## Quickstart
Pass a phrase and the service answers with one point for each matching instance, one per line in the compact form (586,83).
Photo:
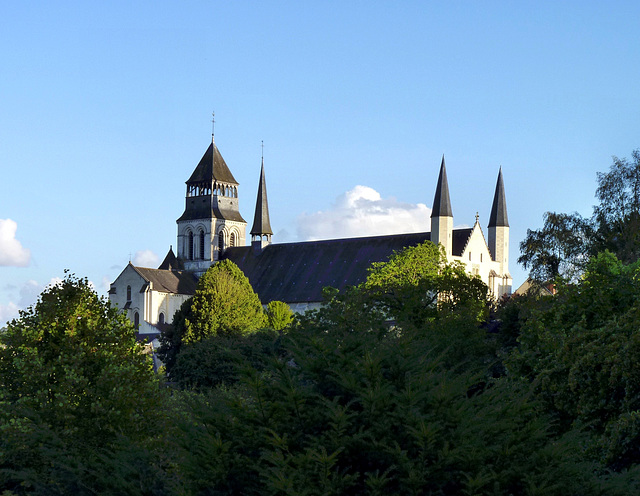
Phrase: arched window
(136,320)
(128,293)
(232,239)
(161,318)
(190,247)
(201,250)
(221,241)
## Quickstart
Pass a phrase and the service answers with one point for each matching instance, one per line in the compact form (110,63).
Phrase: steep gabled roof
(171,262)
(441,201)
(498,215)
(460,240)
(212,167)
(169,281)
(261,224)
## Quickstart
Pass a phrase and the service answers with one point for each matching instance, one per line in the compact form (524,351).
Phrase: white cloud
(12,253)
(8,312)
(146,258)
(361,211)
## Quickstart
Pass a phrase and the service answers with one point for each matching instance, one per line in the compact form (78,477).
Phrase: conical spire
(441,202)
(261,224)
(498,215)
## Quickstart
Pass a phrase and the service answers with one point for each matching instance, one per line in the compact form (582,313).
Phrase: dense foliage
(582,350)
(75,390)
(401,385)
(224,304)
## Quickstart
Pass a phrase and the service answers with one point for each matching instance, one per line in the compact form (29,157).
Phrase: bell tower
(211,221)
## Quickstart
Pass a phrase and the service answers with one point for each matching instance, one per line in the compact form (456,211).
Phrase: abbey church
(211,228)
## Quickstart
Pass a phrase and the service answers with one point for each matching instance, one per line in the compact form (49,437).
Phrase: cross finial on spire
(477,216)
(262,145)
(213,124)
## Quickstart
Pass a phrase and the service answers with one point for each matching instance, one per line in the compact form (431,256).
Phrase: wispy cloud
(362,211)
(12,253)
(146,258)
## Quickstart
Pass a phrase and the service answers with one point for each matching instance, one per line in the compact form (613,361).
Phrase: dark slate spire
(498,215)
(441,202)
(261,224)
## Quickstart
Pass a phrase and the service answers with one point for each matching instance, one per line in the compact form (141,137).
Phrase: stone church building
(211,229)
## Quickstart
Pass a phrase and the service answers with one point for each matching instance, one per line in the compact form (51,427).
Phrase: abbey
(211,229)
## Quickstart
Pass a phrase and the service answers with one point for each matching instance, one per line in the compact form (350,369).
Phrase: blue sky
(106,109)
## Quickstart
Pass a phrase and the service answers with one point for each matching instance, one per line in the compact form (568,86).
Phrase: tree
(418,283)
(279,315)
(617,216)
(582,349)
(566,241)
(224,304)
(75,389)
(356,407)
(560,248)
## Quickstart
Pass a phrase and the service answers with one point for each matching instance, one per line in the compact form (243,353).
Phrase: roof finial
(477,217)
(213,124)
(262,145)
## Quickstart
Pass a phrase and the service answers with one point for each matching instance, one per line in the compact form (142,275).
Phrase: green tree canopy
(617,215)
(582,349)
(73,384)
(224,304)
(279,315)
(418,283)
(566,241)
(559,248)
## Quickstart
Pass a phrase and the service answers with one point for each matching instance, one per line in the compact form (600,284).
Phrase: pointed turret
(441,201)
(498,231)
(261,231)
(442,213)
(498,215)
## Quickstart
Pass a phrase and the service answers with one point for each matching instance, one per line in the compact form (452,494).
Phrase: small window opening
(136,320)
(128,293)
(201,251)
(161,318)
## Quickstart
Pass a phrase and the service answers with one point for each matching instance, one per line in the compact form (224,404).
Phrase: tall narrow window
(190,246)
(128,293)
(136,320)
(221,241)
(201,251)
(161,318)
(232,239)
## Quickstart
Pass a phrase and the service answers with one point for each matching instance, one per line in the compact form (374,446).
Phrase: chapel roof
(169,281)
(297,272)
(212,167)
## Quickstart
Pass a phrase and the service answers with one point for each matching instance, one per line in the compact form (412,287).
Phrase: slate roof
(212,167)
(498,215)
(441,201)
(297,272)
(171,262)
(261,224)
(169,281)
